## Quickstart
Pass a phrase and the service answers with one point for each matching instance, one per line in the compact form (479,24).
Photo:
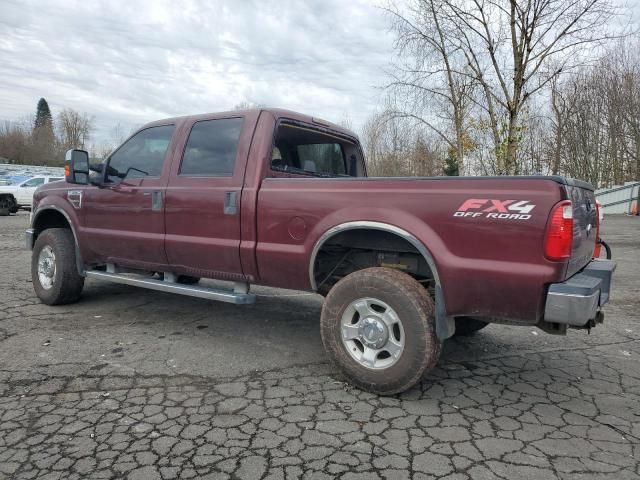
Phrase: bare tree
(394,146)
(561,107)
(510,49)
(117,134)
(15,141)
(594,129)
(345,121)
(74,129)
(245,105)
(429,83)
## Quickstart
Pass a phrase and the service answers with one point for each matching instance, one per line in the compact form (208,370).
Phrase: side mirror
(76,167)
(96,175)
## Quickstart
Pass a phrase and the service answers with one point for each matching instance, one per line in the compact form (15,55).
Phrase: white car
(23,191)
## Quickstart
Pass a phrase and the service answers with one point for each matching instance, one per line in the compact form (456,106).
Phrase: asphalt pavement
(136,384)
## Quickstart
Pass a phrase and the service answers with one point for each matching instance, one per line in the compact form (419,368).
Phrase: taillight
(558,239)
(598,247)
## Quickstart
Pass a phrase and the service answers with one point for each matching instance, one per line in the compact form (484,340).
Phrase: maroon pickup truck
(277,198)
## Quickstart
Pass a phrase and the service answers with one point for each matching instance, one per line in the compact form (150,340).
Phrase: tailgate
(585,223)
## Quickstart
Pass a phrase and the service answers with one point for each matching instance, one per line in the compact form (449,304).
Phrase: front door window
(140,156)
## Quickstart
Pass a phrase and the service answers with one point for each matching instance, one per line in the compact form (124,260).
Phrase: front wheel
(7,204)
(378,326)
(54,275)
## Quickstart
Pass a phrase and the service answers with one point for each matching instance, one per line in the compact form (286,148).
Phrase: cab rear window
(301,150)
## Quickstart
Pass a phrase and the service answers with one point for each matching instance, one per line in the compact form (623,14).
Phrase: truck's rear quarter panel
(487,266)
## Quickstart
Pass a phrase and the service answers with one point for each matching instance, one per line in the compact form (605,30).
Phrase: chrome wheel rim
(46,267)
(372,333)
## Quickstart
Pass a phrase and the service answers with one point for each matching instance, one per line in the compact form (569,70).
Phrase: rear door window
(212,148)
(142,155)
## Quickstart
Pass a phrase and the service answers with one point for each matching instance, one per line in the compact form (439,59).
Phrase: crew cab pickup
(277,198)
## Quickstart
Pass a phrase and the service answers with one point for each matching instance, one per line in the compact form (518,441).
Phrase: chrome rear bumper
(578,300)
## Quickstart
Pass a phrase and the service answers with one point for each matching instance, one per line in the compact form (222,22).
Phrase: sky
(131,62)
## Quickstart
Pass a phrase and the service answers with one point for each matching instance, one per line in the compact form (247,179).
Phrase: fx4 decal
(489,208)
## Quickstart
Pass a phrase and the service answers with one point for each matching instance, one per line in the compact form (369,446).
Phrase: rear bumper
(578,300)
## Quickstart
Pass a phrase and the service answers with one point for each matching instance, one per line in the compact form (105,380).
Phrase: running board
(229,296)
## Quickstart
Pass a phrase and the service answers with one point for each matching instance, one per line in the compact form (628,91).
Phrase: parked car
(282,199)
(9,179)
(20,195)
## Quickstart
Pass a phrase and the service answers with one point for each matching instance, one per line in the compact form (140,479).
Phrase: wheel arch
(445,326)
(52,216)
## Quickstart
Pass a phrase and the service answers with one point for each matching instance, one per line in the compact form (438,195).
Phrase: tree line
(44,139)
(494,87)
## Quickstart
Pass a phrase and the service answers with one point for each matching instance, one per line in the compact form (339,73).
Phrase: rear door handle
(230,203)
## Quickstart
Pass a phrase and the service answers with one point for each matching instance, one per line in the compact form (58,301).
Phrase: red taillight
(559,237)
(598,247)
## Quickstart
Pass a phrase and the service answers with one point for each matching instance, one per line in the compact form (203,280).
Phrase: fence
(620,198)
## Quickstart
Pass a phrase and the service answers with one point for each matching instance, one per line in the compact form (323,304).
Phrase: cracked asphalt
(135,384)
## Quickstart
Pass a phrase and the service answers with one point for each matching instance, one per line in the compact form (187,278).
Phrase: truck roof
(276,112)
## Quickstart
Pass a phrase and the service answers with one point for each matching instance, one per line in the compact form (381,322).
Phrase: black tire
(183,279)
(413,306)
(67,282)
(324,290)
(6,205)
(466,326)
(187,279)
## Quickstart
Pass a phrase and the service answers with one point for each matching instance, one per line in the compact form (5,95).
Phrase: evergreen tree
(43,115)
(43,141)
(450,167)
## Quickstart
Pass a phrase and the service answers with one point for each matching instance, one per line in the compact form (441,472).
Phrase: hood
(8,188)
(51,185)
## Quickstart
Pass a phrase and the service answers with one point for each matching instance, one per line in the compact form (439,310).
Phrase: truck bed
(477,252)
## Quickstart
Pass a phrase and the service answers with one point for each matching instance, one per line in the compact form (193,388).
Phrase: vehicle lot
(140,384)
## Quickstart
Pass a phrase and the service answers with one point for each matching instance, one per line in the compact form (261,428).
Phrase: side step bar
(238,296)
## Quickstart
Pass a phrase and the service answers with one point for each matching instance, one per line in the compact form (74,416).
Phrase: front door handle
(156,201)
(230,203)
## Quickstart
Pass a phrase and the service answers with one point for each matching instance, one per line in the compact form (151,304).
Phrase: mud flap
(445,326)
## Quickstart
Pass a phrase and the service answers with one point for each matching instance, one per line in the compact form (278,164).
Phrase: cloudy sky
(134,61)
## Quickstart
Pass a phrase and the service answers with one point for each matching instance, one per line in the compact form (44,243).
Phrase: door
(202,208)
(124,218)
(24,193)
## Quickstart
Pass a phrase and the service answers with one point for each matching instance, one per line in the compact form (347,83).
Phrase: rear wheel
(54,275)
(378,326)
(466,326)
